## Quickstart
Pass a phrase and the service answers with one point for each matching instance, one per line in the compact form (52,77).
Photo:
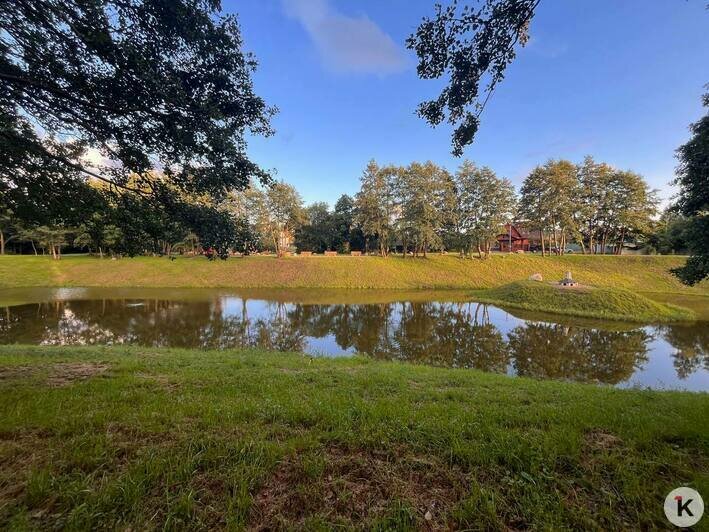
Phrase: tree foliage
(425,201)
(485,203)
(471,48)
(598,205)
(550,197)
(693,200)
(145,82)
(375,204)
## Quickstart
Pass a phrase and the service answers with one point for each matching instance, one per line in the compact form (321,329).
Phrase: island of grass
(143,438)
(583,301)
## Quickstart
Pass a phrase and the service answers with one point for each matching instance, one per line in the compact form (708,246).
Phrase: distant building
(518,238)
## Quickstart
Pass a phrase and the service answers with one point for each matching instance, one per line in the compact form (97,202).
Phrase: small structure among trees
(517,237)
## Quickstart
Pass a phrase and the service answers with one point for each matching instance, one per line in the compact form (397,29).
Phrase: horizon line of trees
(410,209)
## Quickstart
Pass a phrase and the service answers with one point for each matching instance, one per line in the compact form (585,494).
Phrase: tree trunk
(541,237)
(621,241)
(2,243)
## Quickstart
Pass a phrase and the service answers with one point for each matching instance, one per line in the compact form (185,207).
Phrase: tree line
(423,207)
(410,209)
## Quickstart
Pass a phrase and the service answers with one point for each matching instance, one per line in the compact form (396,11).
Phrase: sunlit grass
(606,303)
(644,273)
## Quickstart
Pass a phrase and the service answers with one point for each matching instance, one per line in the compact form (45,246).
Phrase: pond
(437,328)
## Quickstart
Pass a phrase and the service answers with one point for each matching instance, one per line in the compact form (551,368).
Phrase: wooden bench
(356,253)
(305,253)
(331,253)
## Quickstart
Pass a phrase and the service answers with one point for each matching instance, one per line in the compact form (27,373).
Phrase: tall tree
(375,204)
(424,198)
(348,234)
(549,198)
(467,45)
(318,233)
(613,206)
(143,82)
(280,214)
(485,203)
(693,200)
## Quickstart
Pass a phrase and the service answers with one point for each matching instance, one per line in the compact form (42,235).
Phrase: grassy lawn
(607,303)
(137,438)
(639,273)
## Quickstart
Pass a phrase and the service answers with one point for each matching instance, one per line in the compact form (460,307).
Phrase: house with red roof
(517,237)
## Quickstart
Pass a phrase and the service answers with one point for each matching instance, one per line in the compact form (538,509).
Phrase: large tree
(375,204)
(693,200)
(425,200)
(281,213)
(550,196)
(468,45)
(318,233)
(485,203)
(614,205)
(145,83)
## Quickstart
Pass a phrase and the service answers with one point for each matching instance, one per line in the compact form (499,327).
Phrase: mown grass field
(136,438)
(638,273)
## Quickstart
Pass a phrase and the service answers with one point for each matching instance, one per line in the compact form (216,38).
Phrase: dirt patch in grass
(600,440)
(16,372)
(60,374)
(67,373)
(351,487)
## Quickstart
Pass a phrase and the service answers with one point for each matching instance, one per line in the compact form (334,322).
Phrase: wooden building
(517,238)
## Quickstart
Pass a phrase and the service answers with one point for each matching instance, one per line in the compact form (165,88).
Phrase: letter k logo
(683,507)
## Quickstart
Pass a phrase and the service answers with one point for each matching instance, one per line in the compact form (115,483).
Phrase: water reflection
(464,335)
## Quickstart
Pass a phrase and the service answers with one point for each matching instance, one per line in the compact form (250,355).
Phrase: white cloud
(347,44)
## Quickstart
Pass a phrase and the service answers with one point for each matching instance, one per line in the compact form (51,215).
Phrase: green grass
(492,276)
(606,303)
(640,273)
(149,439)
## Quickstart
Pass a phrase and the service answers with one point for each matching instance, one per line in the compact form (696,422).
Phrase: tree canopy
(471,48)
(147,83)
(693,199)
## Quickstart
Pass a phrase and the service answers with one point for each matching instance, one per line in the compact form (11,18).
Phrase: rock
(428,516)
(536,277)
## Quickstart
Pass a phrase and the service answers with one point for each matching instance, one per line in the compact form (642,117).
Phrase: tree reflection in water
(691,348)
(459,335)
(583,355)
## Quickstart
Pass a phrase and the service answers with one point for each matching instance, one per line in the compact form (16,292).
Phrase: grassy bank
(605,303)
(147,438)
(639,273)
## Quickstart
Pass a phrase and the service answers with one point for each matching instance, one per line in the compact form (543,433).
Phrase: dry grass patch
(58,375)
(64,374)
(348,487)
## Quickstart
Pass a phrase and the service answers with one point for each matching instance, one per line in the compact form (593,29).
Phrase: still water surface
(440,328)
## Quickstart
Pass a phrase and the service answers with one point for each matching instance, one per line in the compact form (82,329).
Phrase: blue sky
(620,80)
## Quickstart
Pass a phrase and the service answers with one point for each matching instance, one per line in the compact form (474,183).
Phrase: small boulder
(536,277)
